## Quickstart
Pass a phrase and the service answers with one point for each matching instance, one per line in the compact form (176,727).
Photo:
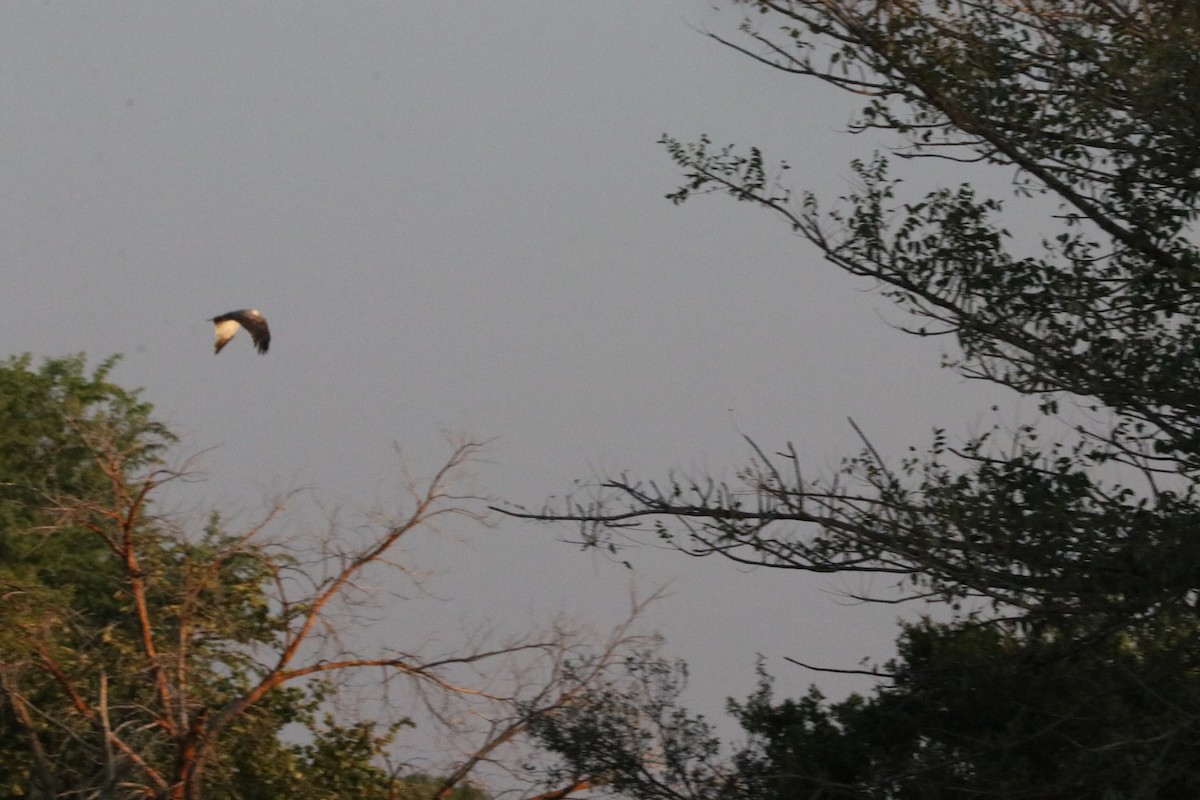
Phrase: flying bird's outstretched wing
(249,318)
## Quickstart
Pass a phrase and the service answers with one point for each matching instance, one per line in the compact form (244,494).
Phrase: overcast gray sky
(452,215)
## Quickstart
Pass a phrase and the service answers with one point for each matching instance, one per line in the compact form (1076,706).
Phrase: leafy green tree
(46,417)
(142,658)
(54,582)
(1068,548)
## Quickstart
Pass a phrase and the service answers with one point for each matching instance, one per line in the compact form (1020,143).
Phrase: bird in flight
(249,318)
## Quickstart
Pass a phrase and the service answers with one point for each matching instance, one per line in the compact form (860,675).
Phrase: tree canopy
(142,655)
(1065,551)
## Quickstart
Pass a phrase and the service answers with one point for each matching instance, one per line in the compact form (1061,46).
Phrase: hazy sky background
(452,215)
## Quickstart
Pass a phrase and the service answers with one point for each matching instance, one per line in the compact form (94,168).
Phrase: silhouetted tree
(1069,546)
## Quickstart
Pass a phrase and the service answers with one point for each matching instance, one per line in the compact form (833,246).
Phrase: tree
(985,711)
(957,718)
(1069,547)
(140,657)
(41,577)
(634,732)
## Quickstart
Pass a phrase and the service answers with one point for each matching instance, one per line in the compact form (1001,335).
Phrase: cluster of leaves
(634,734)
(983,710)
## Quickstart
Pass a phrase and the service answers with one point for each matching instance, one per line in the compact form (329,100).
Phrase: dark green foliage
(975,711)
(58,584)
(47,418)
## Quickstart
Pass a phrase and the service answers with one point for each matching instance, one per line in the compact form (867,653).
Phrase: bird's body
(254,322)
